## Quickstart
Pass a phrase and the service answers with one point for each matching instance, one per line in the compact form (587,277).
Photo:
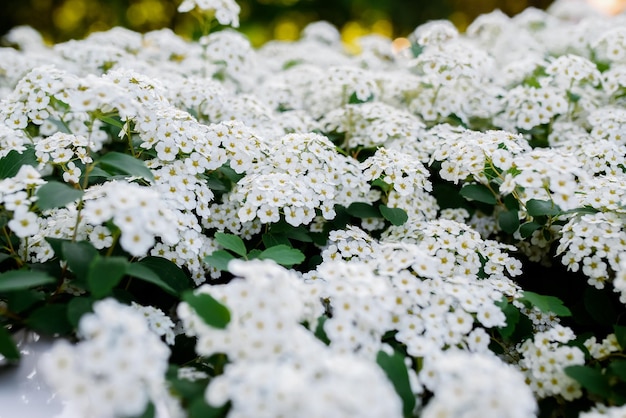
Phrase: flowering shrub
(207,229)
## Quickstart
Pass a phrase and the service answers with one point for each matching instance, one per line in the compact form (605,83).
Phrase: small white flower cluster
(300,375)
(429,311)
(11,140)
(372,124)
(338,86)
(543,360)
(447,66)
(603,411)
(226,11)
(475,385)
(115,370)
(139,213)
(547,175)
(609,123)
(526,107)
(361,306)
(458,249)
(469,153)
(595,244)
(315,383)
(604,348)
(63,150)
(302,173)
(407,176)
(17,196)
(159,323)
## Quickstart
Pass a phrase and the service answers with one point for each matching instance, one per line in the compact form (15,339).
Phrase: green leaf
(620,335)
(57,245)
(283,255)
(143,272)
(320,333)
(104,274)
(116,162)
(77,307)
(12,162)
(395,369)
(363,210)
(211,311)
(200,409)
(380,183)
(97,172)
(254,254)
(591,379)
(599,305)
(511,203)
(231,242)
(536,207)
(219,259)
(23,279)
(478,192)
(8,348)
(355,100)
(168,272)
(528,228)
(79,256)
(508,221)
(618,368)
(546,304)
(114,121)
(230,174)
(150,411)
(299,234)
(21,300)
(271,240)
(55,194)
(50,319)
(512,318)
(396,216)
(448,196)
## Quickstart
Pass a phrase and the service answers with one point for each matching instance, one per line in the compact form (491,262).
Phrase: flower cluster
(308,220)
(471,384)
(115,370)
(543,360)
(264,337)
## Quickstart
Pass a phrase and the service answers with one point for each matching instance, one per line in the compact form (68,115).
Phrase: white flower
(226,11)
(24,223)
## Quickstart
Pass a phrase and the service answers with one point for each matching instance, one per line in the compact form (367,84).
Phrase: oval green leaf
(104,274)
(508,221)
(116,162)
(7,346)
(23,279)
(283,255)
(536,207)
(55,194)
(395,369)
(231,242)
(219,259)
(211,311)
(396,216)
(478,192)
(144,273)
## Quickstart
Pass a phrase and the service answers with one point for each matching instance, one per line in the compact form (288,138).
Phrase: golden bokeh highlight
(261,20)
(610,7)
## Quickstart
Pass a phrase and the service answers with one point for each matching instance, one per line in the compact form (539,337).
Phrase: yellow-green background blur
(261,20)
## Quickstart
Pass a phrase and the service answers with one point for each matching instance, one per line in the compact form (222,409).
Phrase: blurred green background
(261,20)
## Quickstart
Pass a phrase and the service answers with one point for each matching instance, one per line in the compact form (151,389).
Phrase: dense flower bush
(207,229)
